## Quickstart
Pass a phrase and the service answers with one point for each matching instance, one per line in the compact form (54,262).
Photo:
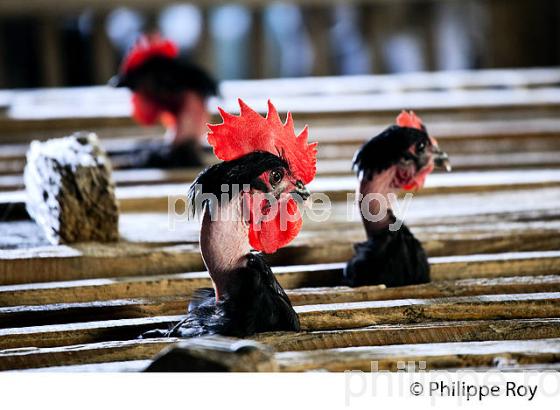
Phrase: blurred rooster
(169,89)
(401,157)
(270,165)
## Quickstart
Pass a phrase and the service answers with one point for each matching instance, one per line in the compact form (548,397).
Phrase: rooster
(271,166)
(169,89)
(401,157)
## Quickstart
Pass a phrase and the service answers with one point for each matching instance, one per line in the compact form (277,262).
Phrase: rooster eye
(420,146)
(275,177)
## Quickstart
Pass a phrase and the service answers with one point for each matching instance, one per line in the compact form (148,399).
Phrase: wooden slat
(95,260)
(365,84)
(121,177)
(337,189)
(469,162)
(392,83)
(88,353)
(312,317)
(359,314)
(510,220)
(80,310)
(526,142)
(436,356)
(347,358)
(157,197)
(366,108)
(326,167)
(492,266)
(426,332)
(126,366)
(139,365)
(78,333)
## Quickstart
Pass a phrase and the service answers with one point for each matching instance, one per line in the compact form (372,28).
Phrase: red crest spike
(147,47)
(409,120)
(239,135)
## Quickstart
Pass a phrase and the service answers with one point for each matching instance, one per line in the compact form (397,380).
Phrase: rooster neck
(189,120)
(224,242)
(381,184)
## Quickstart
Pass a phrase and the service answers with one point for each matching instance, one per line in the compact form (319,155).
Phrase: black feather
(240,172)
(253,302)
(389,258)
(386,149)
(163,76)
(161,155)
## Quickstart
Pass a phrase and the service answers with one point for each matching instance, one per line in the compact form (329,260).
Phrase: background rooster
(169,89)
(274,165)
(401,157)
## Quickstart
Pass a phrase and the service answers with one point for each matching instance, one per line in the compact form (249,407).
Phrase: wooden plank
(358,108)
(402,82)
(391,83)
(360,314)
(158,197)
(335,316)
(12,180)
(121,177)
(436,356)
(80,333)
(75,312)
(337,163)
(494,266)
(129,366)
(458,224)
(429,332)
(135,355)
(338,188)
(515,215)
(91,260)
(88,353)
(177,250)
(78,310)
(95,260)
(445,131)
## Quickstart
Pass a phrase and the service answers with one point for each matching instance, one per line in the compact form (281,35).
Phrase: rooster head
(405,149)
(265,154)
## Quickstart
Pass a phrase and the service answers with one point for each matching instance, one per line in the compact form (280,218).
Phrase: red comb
(409,120)
(239,135)
(147,47)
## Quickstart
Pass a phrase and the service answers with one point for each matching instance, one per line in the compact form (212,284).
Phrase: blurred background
(81,42)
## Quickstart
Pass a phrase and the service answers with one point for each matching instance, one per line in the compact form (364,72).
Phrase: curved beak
(301,191)
(117,81)
(441,160)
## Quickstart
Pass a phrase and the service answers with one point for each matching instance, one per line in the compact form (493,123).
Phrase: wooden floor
(491,229)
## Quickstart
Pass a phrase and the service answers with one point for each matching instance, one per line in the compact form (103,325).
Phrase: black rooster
(169,89)
(401,157)
(246,297)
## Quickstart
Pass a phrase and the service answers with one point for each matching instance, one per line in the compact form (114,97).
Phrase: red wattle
(269,236)
(419,180)
(144,111)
